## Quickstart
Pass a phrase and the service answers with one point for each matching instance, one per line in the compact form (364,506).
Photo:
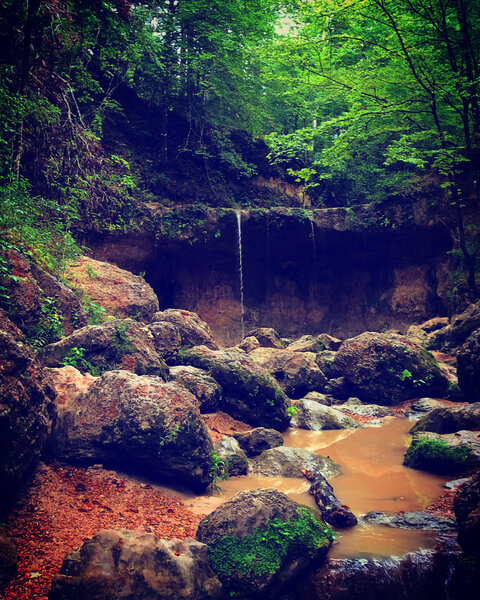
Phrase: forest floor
(66,505)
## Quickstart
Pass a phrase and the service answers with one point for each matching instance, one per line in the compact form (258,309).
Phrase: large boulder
(117,344)
(450,419)
(315,417)
(69,306)
(204,387)
(67,382)
(386,368)
(27,412)
(259,540)
(8,559)
(296,372)
(284,461)
(266,337)
(255,441)
(451,453)
(138,423)
(119,292)
(193,330)
(468,367)
(249,393)
(115,565)
(43,307)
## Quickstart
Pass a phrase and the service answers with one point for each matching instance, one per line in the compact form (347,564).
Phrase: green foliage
(49,327)
(171,436)
(292,411)
(264,550)
(91,273)
(36,227)
(96,313)
(218,468)
(76,358)
(120,341)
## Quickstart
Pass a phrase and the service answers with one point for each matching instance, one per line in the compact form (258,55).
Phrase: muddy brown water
(372,478)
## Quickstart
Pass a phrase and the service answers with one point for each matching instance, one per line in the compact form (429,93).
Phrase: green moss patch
(436,455)
(264,551)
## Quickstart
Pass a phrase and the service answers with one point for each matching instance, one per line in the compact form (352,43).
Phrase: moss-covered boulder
(249,392)
(386,368)
(117,344)
(260,539)
(138,423)
(452,453)
(449,419)
(315,343)
(40,305)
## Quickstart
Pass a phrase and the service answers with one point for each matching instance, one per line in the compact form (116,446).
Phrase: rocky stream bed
(96,422)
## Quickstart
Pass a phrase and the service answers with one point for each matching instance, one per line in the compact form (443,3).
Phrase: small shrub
(76,358)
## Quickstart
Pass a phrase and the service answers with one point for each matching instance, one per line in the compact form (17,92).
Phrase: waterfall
(240,267)
(314,246)
(314,254)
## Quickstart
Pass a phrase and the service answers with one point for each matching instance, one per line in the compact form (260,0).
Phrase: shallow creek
(372,478)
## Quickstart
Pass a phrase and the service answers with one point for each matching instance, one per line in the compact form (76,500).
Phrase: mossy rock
(116,344)
(450,454)
(387,368)
(260,539)
(249,392)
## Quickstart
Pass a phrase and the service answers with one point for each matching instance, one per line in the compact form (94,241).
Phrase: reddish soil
(67,505)
(443,506)
(221,424)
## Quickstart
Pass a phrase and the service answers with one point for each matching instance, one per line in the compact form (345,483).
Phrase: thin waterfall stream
(240,269)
